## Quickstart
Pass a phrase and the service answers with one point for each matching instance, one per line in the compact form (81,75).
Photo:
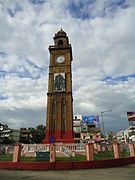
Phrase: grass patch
(6,157)
(76,158)
(104,155)
(98,156)
(125,154)
(27,159)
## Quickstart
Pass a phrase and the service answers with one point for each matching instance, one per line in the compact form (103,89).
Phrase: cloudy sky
(102,35)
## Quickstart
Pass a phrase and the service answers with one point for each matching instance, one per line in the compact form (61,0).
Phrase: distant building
(129,134)
(120,136)
(77,122)
(84,132)
(1,127)
(5,133)
(91,133)
(16,135)
(25,135)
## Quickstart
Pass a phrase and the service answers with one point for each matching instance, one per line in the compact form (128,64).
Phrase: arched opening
(60,43)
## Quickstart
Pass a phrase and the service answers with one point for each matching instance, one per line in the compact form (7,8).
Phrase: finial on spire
(61,32)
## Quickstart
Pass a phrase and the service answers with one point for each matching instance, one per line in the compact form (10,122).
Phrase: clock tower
(59,97)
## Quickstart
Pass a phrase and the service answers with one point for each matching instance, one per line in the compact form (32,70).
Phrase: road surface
(119,173)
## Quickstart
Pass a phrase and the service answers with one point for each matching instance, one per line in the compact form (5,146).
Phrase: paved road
(121,173)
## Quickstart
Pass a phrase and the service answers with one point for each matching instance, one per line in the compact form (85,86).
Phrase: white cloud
(102,46)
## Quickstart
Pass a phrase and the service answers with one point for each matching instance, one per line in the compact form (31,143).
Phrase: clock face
(60,59)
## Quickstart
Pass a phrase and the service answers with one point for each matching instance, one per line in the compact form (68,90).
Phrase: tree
(8,141)
(111,137)
(38,134)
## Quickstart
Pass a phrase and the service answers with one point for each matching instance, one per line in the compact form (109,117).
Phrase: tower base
(67,137)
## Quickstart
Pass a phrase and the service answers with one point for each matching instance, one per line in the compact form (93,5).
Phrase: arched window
(60,43)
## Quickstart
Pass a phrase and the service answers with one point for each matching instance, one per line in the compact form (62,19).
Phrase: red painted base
(64,165)
(67,137)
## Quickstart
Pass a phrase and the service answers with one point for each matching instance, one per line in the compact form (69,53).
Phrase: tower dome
(61,33)
(60,38)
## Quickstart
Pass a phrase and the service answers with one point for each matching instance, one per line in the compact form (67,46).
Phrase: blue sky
(103,40)
(86,9)
(116,80)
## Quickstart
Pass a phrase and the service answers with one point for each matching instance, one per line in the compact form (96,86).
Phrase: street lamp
(103,121)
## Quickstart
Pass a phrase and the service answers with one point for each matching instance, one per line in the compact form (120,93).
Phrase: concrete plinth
(90,152)
(52,153)
(7,149)
(99,148)
(17,153)
(132,149)
(116,148)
